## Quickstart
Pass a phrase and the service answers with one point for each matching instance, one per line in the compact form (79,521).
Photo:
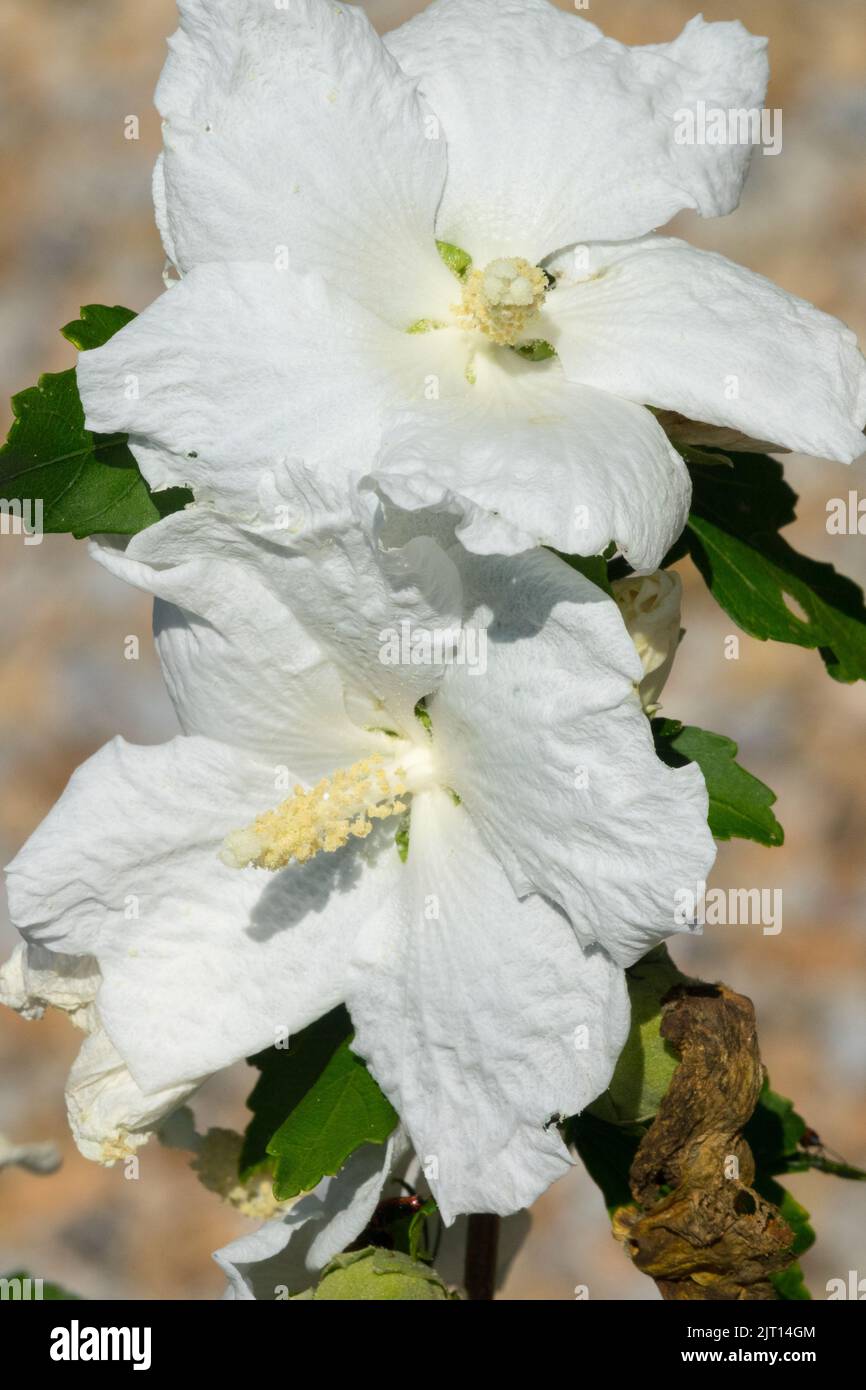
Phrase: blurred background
(77,228)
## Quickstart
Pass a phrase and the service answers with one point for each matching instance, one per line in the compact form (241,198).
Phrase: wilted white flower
(110,1117)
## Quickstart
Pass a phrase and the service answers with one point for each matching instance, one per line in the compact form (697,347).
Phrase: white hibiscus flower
(309,170)
(483,970)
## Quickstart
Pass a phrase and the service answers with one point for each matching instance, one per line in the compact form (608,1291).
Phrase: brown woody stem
(482,1244)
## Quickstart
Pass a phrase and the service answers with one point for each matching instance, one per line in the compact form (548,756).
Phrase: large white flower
(484,975)
(309,170)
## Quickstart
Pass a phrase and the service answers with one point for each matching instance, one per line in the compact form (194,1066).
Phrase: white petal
(553,757)
(294,128)
(34,979)
(466,1012)
(289,1254)
(216,959)
(161,211)
(663,323)
(332,596)
(238,369)
(358,598)
(239,665)
(557,134)
(533,459)
(109,1115)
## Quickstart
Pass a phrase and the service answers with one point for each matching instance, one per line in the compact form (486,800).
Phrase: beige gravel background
(76,228)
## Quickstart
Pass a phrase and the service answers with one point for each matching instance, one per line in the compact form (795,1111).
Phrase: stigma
(502,299)
(337,809)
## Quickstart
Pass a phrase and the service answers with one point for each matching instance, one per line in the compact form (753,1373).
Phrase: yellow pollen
(502,299)
(324,818)
(216,1165)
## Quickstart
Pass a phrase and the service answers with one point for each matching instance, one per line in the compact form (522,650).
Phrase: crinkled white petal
(536,459)
(34,979)
(554,760)
(291,130)
(660,322)
(202,964)
(360,600)
(239,666)
(241,369)
(160,210)
(293,619)
(287,1255)
(557,134)
(468,1010)
(109,1115)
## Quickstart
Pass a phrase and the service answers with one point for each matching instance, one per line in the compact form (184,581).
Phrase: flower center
(338,808)
(501,299)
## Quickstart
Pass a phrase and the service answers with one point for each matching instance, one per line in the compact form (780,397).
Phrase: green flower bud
(376,1275)
(647,1063)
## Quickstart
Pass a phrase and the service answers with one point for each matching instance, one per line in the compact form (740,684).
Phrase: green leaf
(764,585)
(740,805)
(457,260)
(97,324)
(88,483)
(607,1152)
(313,1105)
(790,1285)
(774,1130)
(592,567)
(782,1142)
